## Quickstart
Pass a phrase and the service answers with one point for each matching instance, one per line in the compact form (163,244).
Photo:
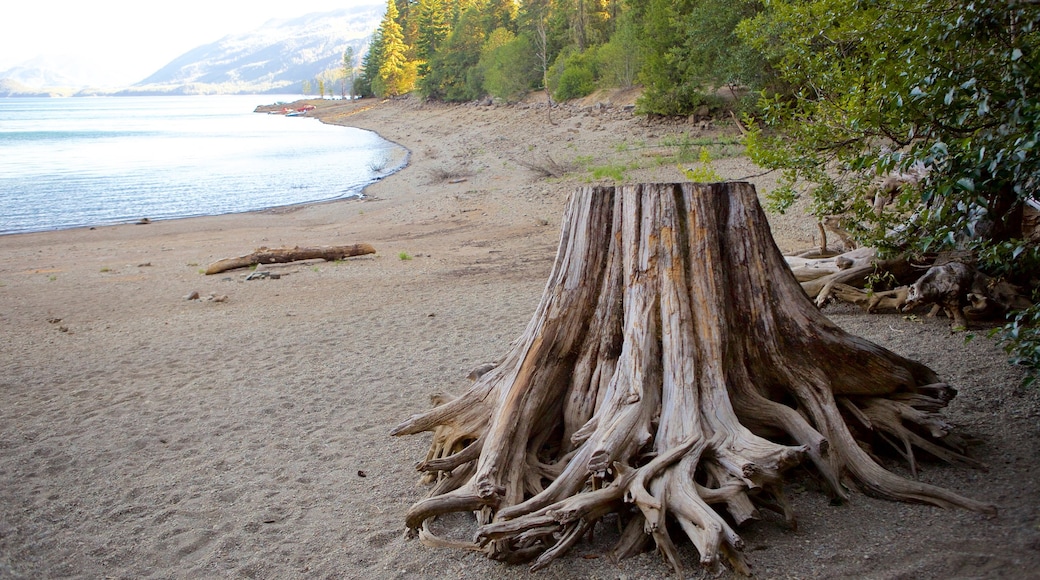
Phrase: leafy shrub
(573,75)
(509,65)
(1020,338)
(575,83)
(704,171)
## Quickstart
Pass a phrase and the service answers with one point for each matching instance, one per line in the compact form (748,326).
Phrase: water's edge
(397,157)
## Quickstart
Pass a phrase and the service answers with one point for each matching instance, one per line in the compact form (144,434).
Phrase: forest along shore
(146,433)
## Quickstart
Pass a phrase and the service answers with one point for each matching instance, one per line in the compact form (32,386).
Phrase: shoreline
(312,176)
(148,435)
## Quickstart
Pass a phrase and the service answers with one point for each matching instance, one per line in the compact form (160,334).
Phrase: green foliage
(620,58)
(370,66)
(680,50)
(676,50)
(499,14)
(690,48)
(704,171)
(882,89)
(1014,260)
(573,76)
(948,85)
(509,66)
(453,74)
(432,29)
(349,70)
(664,91)
(1021,340)
(615,173)
(396,74)
(709,54)
(880,280)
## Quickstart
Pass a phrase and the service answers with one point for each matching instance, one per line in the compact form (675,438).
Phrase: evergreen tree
(396,73)
(349,75)
(621,57)
(453,72)
(709,53)
(499,14)
(407,19)
(370,64)
(509,65)
(431,31)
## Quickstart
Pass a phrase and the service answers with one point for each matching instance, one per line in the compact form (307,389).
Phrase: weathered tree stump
(671,373)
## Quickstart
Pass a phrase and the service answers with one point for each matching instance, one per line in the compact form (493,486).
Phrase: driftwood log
(858,275)
(286,255)
(672,372)
(952,287)
(808,269)
(887,301)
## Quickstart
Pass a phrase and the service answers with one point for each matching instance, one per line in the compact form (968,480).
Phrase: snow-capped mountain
(279,56)
(52,74)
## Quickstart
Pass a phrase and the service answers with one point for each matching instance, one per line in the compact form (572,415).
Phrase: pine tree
(661,80)
(454,73)
(500,14)
(396,72)
(432,30)
(348,71)
(368,80)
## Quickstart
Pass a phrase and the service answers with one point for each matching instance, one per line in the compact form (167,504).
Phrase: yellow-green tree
(396,71)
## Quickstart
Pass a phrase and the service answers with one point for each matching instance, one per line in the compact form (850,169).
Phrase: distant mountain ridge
(278,57)
(44,76)
(13,88)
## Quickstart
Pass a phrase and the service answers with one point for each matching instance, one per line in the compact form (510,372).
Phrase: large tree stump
(671,373)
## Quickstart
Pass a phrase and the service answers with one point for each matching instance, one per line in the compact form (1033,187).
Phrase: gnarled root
(672,372)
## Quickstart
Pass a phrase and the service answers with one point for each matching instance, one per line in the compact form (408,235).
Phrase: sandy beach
(245,434)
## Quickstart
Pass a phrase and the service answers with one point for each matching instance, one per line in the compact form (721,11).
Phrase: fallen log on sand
(285,255)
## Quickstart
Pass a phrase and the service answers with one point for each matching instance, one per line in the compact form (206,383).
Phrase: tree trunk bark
(672,371)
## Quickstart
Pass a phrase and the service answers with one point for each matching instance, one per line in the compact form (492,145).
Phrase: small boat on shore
(300,112)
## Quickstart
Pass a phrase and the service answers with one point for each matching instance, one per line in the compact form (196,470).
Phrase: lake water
(94,161)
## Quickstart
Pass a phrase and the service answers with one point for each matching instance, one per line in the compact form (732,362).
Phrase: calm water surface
(93,161)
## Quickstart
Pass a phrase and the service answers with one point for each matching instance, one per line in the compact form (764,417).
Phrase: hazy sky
(127,40)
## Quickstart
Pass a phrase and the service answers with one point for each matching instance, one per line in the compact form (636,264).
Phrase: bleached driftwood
(806,269)
(887,301)
(285,255)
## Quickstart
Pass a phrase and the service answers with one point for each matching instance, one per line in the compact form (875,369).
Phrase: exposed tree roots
(672,372)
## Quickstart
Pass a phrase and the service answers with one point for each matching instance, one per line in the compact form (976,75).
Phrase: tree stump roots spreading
(672,372)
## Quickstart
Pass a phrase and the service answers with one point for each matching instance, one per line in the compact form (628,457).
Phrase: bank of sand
(143,435)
